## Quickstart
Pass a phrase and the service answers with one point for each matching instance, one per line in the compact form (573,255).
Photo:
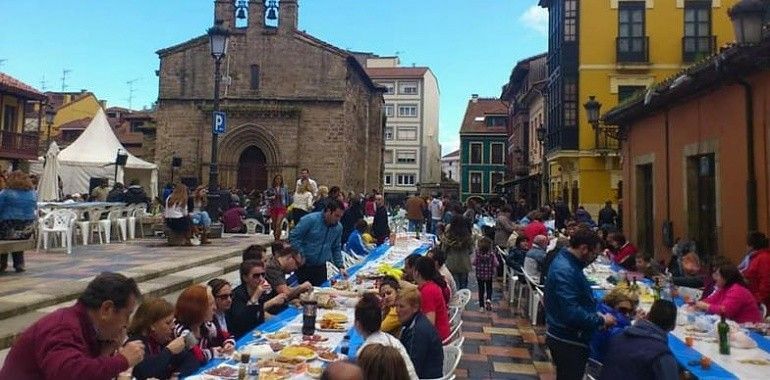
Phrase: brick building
(292,102)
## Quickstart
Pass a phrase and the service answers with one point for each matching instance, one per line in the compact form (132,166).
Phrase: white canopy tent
(93,155)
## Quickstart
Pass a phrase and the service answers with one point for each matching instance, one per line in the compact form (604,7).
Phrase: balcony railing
(697,47)
(632,49)
(16,145)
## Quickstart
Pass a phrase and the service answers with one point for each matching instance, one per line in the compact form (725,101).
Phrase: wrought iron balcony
(697,47)
(14,145)
(632,49)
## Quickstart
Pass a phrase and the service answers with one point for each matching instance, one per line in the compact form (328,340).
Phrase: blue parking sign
(219,122)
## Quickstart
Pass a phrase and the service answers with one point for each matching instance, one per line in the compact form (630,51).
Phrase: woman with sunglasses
(250,299)
(223,298)
(621,304)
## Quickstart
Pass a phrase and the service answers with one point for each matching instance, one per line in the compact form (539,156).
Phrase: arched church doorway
(252,170)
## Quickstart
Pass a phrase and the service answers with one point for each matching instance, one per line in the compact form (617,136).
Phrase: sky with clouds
(471,46)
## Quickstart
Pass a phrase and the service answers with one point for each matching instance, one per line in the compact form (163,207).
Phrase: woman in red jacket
(755,267)
(731,298)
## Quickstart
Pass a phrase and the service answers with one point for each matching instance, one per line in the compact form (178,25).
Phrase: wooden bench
(8,246)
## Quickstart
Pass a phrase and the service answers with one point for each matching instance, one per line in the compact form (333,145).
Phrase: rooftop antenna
(2,61)
(64,73)
(43,84)
(131,90)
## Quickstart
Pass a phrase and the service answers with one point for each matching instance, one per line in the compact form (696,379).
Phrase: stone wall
(313,108)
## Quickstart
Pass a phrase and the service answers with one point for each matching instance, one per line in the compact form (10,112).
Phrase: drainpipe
(751,179)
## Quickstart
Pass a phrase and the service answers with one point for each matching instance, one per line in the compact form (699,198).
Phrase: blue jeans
(415,225)
(201,218)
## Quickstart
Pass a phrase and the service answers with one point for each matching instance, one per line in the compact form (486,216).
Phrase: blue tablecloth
(283,318)
(684,354)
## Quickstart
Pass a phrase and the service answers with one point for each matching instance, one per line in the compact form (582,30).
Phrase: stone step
(168,286)
(62,291)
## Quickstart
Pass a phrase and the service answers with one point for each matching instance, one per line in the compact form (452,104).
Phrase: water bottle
(345,345)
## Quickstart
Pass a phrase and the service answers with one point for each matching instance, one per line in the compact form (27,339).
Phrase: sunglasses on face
(224,296)
(257,275)
(625,310)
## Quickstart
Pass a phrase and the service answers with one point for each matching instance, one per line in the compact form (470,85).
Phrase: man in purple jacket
(82,341)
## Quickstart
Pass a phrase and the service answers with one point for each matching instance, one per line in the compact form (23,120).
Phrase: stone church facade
(292,102)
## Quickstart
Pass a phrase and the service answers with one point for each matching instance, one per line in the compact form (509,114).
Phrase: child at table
(486,264)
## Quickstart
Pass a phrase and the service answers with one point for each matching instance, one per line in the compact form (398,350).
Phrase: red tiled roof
(396,72)
(479,109)
(9,84)
(81,124)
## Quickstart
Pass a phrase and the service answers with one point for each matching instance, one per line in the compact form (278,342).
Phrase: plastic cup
(688,340)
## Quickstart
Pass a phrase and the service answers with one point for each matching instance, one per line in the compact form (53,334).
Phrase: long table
(291,318)
(722,366)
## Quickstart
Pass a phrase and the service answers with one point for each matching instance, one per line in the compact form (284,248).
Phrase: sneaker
(489,304)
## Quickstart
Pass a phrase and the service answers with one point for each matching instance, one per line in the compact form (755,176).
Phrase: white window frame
(387,179)
(408,152)
(470,153)
(492,182)
(400,130)
(470,181)
(391,107)
(502,151)
(391,86)
(392,154)
(392,133)
(403,85)
(401,176)
(408,115)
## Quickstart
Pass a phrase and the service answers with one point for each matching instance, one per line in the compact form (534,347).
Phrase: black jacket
(423,344)
(380,227)
(135,194)
(116,195)
(160,363)
(242,317)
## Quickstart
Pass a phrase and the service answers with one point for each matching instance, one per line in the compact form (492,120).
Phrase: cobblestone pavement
(501,344)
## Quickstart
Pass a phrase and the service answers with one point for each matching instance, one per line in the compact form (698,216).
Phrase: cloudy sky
(471,46)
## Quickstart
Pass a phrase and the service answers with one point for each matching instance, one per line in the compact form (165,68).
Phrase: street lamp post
(49,116)
(592,108)
(747,17)
(541,136)
(218,38)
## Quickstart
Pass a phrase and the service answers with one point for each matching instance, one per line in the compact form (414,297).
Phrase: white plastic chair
(457,342)
(331,270)
(455,316)
(456,332)
(452,357)
(251,226)
(593,369)
(92,224)
(115,220)
(535,296)
(461,298)
(135,214)
(56,222)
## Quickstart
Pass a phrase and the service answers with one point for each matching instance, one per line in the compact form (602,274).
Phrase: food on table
(278,336)
(342,285)
(277,346)
(326,301)
(314,338)
(326,324)
(335,316)
(297,351)
(754,361)
(226,372)
(329,356)
(386,269)
(274,373)
(315,372)
(289,361)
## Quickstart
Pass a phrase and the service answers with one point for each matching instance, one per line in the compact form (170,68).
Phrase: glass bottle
(309,309)
(243,367)
(724,336)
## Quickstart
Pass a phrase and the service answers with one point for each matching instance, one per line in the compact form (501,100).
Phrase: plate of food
(277,346)
(315,371)
(314,338)
(331,326)
(223,372)
(331,356)
(278,336)
(335,316)
(342,285)
(326,301)
(274,373)
(298,352)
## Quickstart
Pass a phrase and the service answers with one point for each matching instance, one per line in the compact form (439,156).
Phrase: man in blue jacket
(650,358)
(570,307)
(318,239)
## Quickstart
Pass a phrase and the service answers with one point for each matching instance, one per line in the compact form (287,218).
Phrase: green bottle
(656,290)
(724,336)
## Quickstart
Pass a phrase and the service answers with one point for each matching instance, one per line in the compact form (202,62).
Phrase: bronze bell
(271,14)
(241,14)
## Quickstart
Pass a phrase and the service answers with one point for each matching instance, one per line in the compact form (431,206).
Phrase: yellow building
(72,109)
(611,49)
